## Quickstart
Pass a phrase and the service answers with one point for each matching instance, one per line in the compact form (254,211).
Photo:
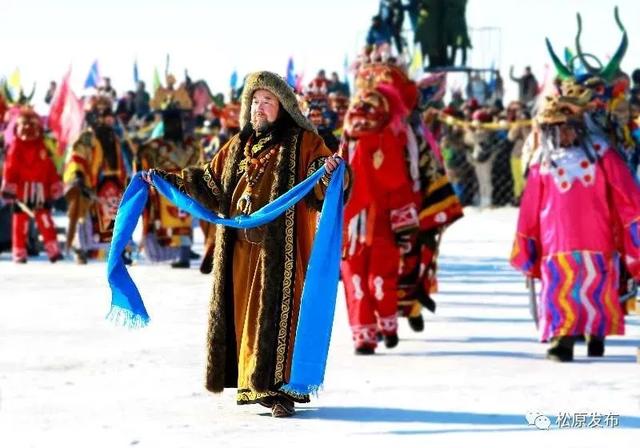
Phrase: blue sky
(212,38)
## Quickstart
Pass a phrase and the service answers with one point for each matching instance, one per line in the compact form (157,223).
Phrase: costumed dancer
(178,96)
(439,206)
(258,273)
(95,176)
(381,217)
(31,182)
(11,101)
(167,233)
(579,214)
(604,89)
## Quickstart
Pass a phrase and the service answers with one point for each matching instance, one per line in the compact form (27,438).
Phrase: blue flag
(233,82)
(136,76)
(93,78)
(291,76)
(345,67)
(491,87)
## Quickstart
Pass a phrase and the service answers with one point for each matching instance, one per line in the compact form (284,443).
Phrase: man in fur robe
(258,273)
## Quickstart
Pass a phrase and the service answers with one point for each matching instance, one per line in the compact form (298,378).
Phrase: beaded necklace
(254,168)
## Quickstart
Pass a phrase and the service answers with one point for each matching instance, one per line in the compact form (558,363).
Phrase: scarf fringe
(123,317)
(301,389)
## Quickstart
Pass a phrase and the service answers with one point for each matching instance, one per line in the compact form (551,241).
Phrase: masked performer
(604,90)
(437,203)
(31,182)
(579,213)
(95,175)
(381,216)
(167,230)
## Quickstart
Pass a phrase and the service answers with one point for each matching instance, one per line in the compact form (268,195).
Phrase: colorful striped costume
(578,220)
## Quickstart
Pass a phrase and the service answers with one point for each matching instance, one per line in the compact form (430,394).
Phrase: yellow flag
(417,65)
(14,80)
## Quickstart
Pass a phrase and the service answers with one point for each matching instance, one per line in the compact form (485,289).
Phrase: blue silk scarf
(317,306)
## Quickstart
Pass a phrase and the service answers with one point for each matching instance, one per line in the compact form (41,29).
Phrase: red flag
(66,114)
(299,87)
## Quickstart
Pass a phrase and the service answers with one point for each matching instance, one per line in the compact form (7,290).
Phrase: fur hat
(279,87)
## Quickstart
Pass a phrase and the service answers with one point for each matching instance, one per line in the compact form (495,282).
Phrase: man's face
(264,110)
(567,135)
(316,118)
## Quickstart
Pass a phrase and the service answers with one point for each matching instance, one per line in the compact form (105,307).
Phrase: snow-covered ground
(70,379)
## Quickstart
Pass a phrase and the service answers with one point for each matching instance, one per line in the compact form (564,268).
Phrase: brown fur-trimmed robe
(283,257)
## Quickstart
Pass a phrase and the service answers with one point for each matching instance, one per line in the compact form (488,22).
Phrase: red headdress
(372,75)
(376,121)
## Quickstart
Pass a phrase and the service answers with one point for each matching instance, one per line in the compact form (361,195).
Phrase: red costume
(381,215)
(30,179)
(394,159)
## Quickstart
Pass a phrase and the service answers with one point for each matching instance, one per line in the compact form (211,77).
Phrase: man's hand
(146,176)
(332,163)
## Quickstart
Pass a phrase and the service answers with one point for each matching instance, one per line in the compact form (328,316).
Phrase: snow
(68,378)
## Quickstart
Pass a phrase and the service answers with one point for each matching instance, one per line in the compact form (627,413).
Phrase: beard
(261,124)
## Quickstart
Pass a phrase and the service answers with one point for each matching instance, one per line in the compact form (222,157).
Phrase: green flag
(156,80)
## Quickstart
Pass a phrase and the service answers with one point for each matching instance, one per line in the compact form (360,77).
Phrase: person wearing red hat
(482,154)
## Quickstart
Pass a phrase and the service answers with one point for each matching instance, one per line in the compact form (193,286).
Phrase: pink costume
(577,218)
